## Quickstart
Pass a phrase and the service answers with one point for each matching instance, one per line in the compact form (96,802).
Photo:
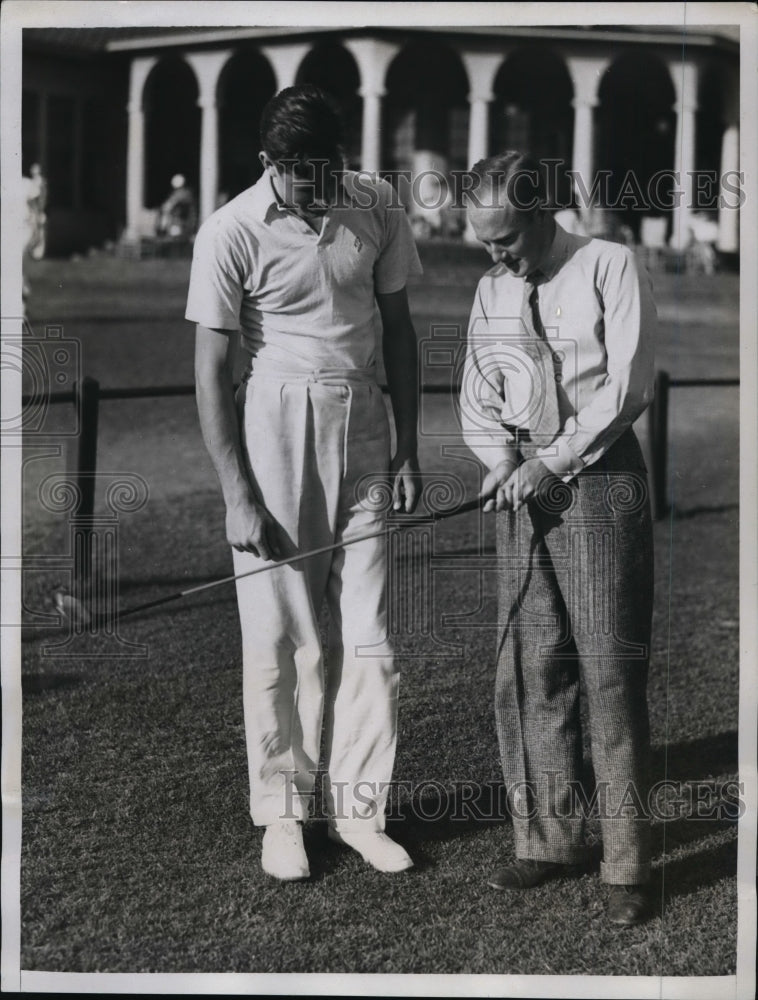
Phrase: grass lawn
(138,852)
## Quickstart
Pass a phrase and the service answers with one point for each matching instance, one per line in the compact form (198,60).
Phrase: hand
(493,487)
(406,483)
(250,528)
(525,481)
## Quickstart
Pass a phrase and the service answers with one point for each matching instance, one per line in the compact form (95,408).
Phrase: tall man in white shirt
(298,264)
(559,364)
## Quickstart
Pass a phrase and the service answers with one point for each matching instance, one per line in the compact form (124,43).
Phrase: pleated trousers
(316,449)
(575,598)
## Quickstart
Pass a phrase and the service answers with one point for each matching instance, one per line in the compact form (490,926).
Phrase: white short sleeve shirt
(302,299)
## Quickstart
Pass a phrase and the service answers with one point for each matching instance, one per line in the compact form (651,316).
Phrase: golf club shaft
(462,509)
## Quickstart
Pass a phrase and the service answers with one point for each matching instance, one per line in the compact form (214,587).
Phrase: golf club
(74,608)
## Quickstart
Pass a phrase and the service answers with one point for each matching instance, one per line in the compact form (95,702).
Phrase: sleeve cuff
(560,458)
(227,323)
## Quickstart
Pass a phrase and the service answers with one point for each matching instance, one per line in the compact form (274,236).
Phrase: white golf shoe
(283,854)
(376,848)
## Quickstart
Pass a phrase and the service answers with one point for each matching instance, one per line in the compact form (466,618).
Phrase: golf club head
(72,608)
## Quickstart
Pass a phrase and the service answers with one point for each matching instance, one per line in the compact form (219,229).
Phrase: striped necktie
(544,421)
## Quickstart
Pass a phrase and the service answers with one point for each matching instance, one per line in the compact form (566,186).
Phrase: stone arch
(636,132)
(245,85)
(426,107)
(532,111)
(172,128)
(330,66)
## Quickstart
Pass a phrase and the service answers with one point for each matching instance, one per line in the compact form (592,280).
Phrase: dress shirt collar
(269,204)
(556,257)
(264,200)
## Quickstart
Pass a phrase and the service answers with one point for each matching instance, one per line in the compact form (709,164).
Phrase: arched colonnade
(435,101)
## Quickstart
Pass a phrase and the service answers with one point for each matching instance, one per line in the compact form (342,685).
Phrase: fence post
(658,423)
(87,402)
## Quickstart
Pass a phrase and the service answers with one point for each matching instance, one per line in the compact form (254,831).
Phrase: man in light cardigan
(559,365)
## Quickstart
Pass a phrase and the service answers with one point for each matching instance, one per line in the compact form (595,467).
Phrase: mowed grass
(138,852)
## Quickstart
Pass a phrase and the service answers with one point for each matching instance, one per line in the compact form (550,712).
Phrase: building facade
(642,123)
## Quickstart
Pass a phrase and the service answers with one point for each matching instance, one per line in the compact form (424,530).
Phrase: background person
(35,193)
(177,216)
(559,364)
(298,264)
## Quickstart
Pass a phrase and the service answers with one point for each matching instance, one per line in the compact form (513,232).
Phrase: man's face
(308,186)
(517,239)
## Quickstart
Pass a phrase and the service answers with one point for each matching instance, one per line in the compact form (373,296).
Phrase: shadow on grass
(465,809)
(41,683)
(325,858)
(684,876)
(716,754)
(442,814)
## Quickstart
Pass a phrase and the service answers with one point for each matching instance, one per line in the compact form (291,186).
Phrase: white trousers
(312,449)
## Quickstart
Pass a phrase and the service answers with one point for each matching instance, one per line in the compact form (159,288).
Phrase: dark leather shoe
(526,874)
(628,905)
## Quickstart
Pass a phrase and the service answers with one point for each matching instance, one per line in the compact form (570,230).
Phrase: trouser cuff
(367,824)
(553,840)
(624,874)
(295,808)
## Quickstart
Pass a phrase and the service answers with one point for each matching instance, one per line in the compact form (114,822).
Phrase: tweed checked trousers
(575,597)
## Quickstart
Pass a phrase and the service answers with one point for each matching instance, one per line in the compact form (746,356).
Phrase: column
(586,73)
(285,61)
(135,158)
(583,160)
(729,217)
(208,158)
(207,67)
(684,75)
(481,68)
(371,139)
(478,142)
(478,129)
(373,58)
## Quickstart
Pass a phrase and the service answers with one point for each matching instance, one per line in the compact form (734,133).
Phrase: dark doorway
(172,129)
(245,86)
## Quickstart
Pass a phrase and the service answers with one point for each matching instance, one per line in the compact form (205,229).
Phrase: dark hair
(512,176)
(301,123)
